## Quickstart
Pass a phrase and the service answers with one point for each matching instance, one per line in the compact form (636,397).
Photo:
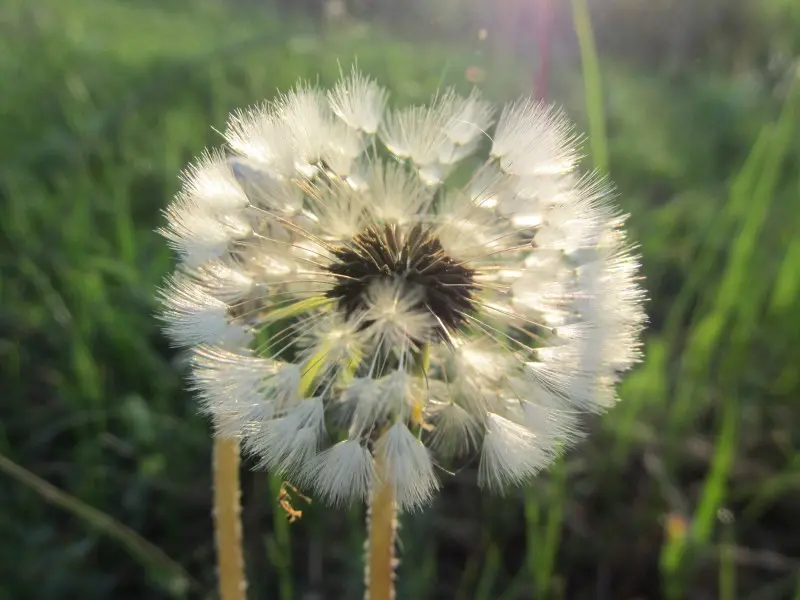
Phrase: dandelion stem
(382,515)
(227,522)
(381,531)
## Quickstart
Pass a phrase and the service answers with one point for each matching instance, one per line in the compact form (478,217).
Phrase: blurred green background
(689,489)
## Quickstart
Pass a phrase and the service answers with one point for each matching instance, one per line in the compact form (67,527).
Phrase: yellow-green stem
(380,561)
(227,520)
(381,531)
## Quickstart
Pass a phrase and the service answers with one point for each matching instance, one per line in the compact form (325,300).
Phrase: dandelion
(357,323)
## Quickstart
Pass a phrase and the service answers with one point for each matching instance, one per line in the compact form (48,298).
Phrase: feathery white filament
(259,135)
(199,234)
(211,184)
(343,473)
(359,101)
(241,391)
(194,317)
(534,139)
(456,431)
(395,320)
(471,118)
(394,195)
(408,467)
(223,281)
(511,453)
(288,443)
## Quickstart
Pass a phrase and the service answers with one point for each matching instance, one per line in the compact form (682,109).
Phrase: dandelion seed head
(355,321)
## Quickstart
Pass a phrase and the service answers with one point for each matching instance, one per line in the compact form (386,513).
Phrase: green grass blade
(491,568)
(543,529)
(593,85)
(714,489)
(167,573)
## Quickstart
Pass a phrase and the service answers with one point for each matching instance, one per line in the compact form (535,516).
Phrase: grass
(167,573)
(688,489)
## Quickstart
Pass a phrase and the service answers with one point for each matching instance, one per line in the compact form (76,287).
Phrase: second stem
(381,531)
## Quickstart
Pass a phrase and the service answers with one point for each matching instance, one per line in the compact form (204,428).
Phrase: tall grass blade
(592,84)
(167,573)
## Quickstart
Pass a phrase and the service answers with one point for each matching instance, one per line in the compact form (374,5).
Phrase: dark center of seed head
(385,252)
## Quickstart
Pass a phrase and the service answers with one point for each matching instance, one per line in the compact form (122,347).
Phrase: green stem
(593,85)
